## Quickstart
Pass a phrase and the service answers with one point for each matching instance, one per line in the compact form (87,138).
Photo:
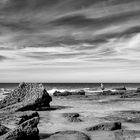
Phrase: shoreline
(92,109)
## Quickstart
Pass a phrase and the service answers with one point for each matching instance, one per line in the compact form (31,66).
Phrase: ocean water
(77,85)
(88,87)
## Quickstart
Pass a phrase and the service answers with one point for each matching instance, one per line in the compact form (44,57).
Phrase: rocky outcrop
(112,92)
(68,93)
(72,117)
(68,135)
(27,96)
(110,126)
(25,116)
(26,131)
(3,130)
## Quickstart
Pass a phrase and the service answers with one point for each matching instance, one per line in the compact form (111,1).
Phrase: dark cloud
(17,5)
(17,26)
(2,57)
(23,5)
(83,21)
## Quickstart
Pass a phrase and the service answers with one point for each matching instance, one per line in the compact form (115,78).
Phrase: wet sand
(92,110)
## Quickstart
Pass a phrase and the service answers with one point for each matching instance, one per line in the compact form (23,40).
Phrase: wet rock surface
(72,117)
(108,126)
(26,131)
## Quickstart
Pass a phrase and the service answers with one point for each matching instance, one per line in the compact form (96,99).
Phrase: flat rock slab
(68,135)
(110,126)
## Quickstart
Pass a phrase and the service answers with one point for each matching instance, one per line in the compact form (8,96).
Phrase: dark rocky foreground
(24,105)
(24,131)
(16,107)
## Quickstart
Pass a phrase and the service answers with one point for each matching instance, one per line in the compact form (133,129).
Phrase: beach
(92,109)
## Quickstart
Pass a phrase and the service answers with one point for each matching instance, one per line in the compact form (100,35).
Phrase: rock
(130,94)
(68,135)
(72,117)
(3,130)
(25,131)
(26,116)
(138,89)
(106,92)
(68,93)
(120,88)
(27,96)
(110,126)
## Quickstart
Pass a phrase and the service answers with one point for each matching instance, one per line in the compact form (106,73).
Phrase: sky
(70,41)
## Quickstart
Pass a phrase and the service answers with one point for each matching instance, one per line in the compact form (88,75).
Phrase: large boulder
(28,95)
(68,135)
(110,126)
(68,93)
(3,130)
(26,131)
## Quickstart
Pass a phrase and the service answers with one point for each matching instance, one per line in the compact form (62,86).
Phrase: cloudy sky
(70,40)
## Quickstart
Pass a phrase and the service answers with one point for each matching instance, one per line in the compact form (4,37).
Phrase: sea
(88,87)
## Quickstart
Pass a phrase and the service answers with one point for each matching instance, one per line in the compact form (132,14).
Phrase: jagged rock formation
(26,131)
(27,96)
(25,116)
(3,130)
